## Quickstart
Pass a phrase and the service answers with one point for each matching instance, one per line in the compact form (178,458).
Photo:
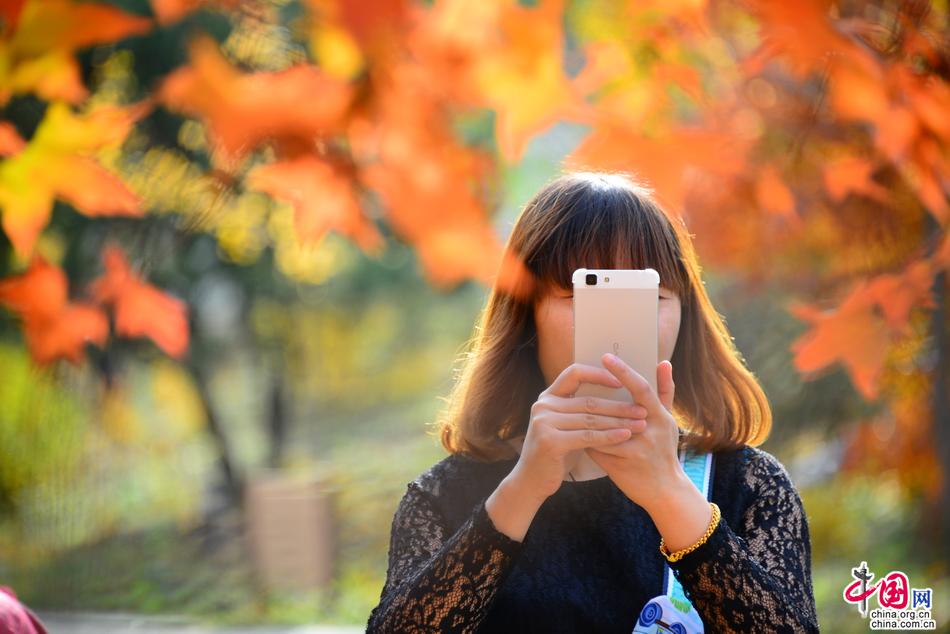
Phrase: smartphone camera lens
(591,279)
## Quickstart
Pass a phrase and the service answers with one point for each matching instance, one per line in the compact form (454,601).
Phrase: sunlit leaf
(37,55)
(522,76)
(242,111)
(10,141)
(772,194)
(141,310)
(60,162)
(53,326)
(10,15)
(852,334)
(855,334)
(897,294)
(323,198)
(53,76)
(852,175)
(665,162)
(168,11)
(799,32)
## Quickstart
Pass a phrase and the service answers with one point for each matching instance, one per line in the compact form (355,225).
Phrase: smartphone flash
(606,279)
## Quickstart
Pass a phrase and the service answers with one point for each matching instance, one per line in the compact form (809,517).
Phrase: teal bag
(672,612)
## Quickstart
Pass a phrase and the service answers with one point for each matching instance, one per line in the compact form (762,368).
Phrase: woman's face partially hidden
(554,317)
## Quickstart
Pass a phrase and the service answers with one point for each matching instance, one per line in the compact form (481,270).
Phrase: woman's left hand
(646,466)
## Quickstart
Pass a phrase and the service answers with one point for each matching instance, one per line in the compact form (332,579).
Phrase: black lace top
(590,559)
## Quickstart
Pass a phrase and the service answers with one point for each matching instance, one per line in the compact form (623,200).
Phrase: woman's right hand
(561,424)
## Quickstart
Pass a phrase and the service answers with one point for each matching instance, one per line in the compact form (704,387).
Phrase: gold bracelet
(679,554)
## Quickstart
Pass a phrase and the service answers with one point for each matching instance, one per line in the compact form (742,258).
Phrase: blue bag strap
(698,468)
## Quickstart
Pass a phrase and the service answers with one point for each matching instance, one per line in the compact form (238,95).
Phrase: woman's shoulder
(759,470)
(456,484)
(752,478)
(456,471)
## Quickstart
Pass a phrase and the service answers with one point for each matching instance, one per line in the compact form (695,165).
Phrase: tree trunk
(233,482)
(941,405)
(277,420)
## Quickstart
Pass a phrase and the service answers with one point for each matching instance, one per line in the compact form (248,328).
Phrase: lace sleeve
(438,584)
(760,582)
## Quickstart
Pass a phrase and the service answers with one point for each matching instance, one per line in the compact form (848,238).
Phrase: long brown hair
(598,220)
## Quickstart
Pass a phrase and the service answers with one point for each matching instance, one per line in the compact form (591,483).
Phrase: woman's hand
(645,467)
(562,423)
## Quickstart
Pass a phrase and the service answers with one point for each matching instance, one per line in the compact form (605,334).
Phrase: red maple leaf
(141,310)
(53,326)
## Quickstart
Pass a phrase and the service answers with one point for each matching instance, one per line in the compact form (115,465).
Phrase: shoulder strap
(698,468)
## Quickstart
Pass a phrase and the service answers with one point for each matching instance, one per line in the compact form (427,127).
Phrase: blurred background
(245,242)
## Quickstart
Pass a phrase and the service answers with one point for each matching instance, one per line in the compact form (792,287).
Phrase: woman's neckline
(586,482)
(573,483)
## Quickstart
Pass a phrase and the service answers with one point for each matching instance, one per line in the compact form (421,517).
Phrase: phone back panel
(618,316)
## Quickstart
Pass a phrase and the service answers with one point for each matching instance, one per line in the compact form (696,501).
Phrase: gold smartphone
(616,310)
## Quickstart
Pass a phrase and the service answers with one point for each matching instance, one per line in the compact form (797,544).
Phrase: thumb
(664,384)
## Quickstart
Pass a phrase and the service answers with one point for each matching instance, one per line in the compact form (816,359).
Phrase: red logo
(892,590)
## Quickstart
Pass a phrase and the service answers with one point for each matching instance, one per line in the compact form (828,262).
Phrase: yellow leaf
(59,162)
(38,56)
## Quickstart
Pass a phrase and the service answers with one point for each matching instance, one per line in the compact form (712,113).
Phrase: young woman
(548,513)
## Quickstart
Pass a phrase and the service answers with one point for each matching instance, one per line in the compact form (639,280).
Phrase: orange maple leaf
(855,333)
(513,276)
(322,197)
(60,162)
(666,162)
(605,62)
(926,173)
(450,254)
(53,326)
(522,77)
(509,58)
(242,111)
(858,89)
(374,24)
(168,11)
(141,310)
(852,175)
(773,195)
(929,96)
(852,334)
(800,32)
(39,47)
(452,246)
(897,294)
(427,180)
(10,15)
(10,140)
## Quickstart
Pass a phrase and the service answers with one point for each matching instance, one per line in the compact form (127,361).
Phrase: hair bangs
(609,229)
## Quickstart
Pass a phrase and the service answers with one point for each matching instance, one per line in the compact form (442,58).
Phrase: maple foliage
(804,142)
(707,171)
(506,57)
(141,310)
(54,327)
(39,39)
(167,11)
(59,162)
(245,110)
(323,199)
